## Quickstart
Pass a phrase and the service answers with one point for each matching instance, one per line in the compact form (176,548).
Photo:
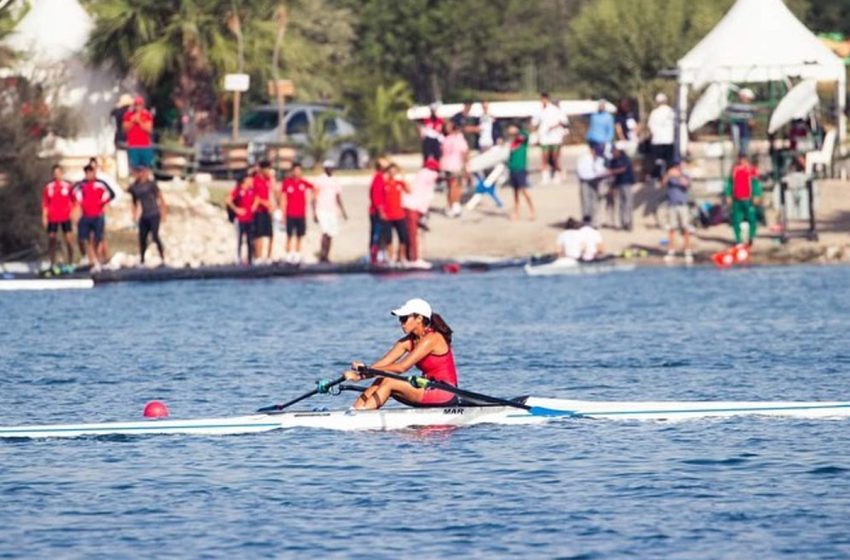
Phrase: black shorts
(296,226)
(262,224)
(53,227)
(91,225)
(400,227)
(518,179)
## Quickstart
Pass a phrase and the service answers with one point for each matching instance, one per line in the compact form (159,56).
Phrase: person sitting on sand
(426,344)
(579,241)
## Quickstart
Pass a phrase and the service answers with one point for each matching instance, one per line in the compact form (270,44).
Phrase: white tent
(51,38)
(760,41)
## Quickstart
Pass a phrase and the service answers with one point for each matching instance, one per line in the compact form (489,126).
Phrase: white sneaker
(421,263)
(670,256)
(689,257)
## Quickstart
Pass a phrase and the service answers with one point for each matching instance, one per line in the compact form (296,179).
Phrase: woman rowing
(426,344)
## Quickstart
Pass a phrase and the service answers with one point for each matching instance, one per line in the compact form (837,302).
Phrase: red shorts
(432,397)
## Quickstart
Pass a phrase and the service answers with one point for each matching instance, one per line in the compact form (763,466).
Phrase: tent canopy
(759,41)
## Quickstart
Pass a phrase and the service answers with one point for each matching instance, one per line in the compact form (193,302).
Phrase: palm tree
(185,43)
(319,142)
(386,126)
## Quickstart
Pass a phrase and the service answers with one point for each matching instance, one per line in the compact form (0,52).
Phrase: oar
(322,386)
(533,410)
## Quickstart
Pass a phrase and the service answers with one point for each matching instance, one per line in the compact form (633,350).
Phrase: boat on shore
(565,266)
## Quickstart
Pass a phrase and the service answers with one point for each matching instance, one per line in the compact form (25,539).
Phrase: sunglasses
(403,318)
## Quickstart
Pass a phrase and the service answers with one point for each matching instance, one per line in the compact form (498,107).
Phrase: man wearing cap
(125,101)
(661,125)
(678,212)
(325,203)
(263,178)
(149,210)
(426,344)
(138,125)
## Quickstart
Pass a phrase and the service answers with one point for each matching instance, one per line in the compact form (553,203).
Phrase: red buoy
(156,409)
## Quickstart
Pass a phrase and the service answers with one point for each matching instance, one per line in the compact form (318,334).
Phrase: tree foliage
(187,46)
(385,125)
(25,121)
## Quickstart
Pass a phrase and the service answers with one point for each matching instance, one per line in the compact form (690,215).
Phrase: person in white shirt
(662,126)
(552,125)
(325,204)
(590,169)
(579,241)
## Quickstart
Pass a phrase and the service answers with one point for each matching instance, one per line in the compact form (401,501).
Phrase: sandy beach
(197,231)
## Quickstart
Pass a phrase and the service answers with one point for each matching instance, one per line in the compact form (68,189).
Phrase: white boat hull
(40,284)
(401,418)
(569,267)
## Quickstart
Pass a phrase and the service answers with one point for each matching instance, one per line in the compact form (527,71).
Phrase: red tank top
(439,367)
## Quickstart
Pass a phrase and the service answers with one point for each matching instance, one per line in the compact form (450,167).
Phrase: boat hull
(543,410)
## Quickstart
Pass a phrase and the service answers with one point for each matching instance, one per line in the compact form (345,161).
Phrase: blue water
(746,487)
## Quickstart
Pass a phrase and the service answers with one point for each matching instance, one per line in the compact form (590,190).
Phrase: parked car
(259,127)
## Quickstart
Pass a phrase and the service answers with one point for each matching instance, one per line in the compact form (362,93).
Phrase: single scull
(541,410)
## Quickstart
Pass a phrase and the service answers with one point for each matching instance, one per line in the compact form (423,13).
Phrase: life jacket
(742,182)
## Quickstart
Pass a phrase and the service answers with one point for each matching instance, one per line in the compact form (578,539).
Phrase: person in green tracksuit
(744,189)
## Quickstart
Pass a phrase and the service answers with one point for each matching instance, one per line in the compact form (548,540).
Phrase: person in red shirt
(431,133)
(263,207)
(57,203)
(293,201)
(138,126)
(393,212)
(93,195)
(377,237)
(241,202)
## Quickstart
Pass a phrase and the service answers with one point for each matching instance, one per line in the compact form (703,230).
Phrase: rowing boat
(40,284)
(566,266)
(541,410)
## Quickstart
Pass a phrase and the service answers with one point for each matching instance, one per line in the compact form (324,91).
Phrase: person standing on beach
(622,169)
(138,126)
(453,164)
(661,125)
(741,117)
(325,204)
(431,133)
(393,212)
(626,127)
(293,201)
(376,203)
(590,169)
(149,210)
(241,202)
(744,189)
(57,204)
(93,195)
(416,204)
(518,169)
(600,130)
(489,129)
(551,126)
(678,213)
(263,179)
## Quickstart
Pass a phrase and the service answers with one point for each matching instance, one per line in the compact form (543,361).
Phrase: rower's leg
(379,392)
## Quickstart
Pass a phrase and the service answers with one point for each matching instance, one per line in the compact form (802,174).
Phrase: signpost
(237,83)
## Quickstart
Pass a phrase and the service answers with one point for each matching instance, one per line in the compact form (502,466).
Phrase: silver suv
(258,127)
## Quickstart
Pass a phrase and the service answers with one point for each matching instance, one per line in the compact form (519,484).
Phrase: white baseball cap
(660,98)
(329,164)
(415,306)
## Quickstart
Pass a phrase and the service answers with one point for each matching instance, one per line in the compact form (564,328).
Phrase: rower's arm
(419,352)
(398,350)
